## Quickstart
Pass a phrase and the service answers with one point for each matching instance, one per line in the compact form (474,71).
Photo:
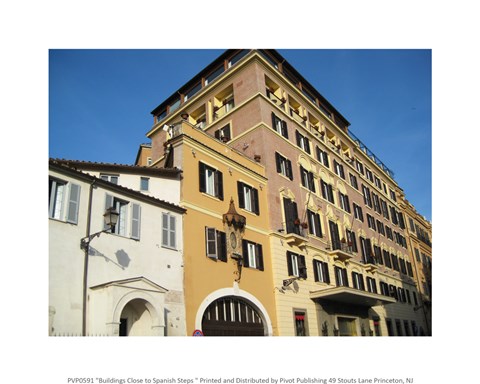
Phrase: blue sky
(100,102)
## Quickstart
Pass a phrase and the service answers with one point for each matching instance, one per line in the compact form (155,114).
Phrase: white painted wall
(114,258)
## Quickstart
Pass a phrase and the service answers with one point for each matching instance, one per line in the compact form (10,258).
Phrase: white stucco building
(131,283)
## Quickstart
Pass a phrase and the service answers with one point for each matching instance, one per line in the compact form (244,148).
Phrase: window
(378,254)
(380,228)
(307,179)
(291,216)
(192,91)
(369,174)
(55,198)
(389,232)
(211,181)
(169,230)
(215,244)
(144,183)
(214,74)
(378,183)
(296,265)
(384,289)
(320,270)
(376,203)
(58,200)
(395,264)
(248,198)
(344,203)
(367,199)
(339,169)
(334,235)
(393,214)
(357,281)
(351,241)
(284,166)
(386,259)
(235,58)
(371,285)
(161,115)
(357,212)
(366,248)
(314,223)
(252,255)
(121,206)
(392,195)
(322,157)
(111,178)
(327,191)
(359,166)
(302,142)
(371,222)
(353,181)
(223,134)
(279,125)
(401,220)
(300,323)
(384,209)
(341,277)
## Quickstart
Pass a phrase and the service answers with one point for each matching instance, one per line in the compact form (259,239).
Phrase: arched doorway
(136,319)
(232,316)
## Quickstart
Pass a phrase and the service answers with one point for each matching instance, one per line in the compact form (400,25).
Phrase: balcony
(351,296)
(295,234)
(296,116)
(340,251)
(275,99)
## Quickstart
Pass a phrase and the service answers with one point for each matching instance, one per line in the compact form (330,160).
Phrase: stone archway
(136,319)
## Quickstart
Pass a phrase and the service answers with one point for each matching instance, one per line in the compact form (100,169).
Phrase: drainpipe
(85,263)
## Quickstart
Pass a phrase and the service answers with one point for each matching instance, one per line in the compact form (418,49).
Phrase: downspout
(85,263)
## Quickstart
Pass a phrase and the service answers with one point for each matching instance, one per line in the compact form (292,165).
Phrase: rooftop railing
(370,154)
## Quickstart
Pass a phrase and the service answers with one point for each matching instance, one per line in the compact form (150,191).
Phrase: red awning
(299,317)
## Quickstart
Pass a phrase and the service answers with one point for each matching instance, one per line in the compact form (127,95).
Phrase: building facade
(332,224)
(126,280)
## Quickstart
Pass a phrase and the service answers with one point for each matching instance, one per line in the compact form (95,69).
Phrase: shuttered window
(322,157)
(252,255)
(284,166)
(279,125)
(248,198)
(215,244)
(168,230)
(291,215)
(63,200)
(296,265)
(320,270)
(302,142)
(327,191)
(308,180)
(357,281)
(334,235)
(210,181)
(341,277)
(314,225)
